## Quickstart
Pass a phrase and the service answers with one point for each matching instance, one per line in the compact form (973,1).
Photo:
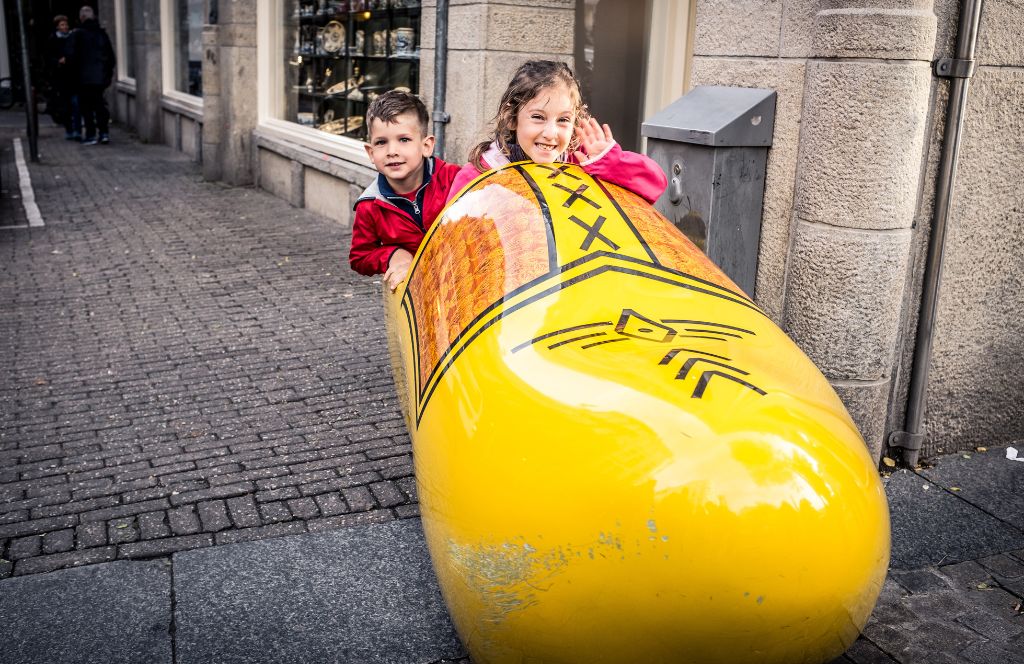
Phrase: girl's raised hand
(594,137)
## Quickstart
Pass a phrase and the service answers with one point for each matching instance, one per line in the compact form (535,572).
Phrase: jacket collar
(494,157)
(381,189)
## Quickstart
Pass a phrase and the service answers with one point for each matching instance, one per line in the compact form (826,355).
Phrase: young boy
(394,212)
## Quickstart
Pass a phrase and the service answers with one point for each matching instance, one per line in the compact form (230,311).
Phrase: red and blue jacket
(386,221)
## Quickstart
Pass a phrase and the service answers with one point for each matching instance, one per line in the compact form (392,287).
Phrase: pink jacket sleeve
(636,172)
(466,174)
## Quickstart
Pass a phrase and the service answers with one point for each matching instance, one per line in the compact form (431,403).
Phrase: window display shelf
(347,53)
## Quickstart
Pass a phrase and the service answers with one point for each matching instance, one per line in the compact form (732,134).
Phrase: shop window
(128,48)
(339,55)
(633,59)
(188,46)
(611,59)
(125,11)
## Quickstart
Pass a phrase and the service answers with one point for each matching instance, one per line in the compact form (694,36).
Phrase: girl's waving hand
(595,139)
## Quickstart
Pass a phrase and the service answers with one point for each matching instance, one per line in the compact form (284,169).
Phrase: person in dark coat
(92,59)
(61,104)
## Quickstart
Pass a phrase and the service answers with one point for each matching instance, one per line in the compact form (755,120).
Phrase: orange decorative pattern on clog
(673,249)
(492,241)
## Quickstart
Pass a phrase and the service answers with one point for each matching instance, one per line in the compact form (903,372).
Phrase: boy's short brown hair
(393,103)
(58,18)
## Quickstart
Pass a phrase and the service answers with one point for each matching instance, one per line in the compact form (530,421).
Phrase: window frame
(670,53)
(270,93)
(168,60)
(121,38)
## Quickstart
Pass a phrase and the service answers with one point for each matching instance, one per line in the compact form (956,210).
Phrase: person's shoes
(104,138)
(90,141)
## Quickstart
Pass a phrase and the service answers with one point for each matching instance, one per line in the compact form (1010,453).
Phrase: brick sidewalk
(185,364)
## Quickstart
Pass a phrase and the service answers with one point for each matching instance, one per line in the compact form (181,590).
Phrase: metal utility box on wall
(713,144)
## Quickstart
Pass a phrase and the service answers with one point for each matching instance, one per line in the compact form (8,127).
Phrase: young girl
(542,118)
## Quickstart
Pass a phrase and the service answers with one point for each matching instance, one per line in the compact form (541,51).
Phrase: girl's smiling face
(544,125)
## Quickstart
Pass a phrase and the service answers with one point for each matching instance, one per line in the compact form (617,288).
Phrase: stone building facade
(851,175)
(849,200)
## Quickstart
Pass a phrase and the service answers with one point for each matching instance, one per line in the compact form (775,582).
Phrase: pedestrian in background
(92,59)
(62,104)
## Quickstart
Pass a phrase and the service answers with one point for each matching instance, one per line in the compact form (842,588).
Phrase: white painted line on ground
(28,197)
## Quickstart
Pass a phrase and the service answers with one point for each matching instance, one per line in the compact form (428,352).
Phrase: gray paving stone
(363,595)
(331,504)
(1014,586)
(387,494)
(933,636)
(275,512)
(54,561)
(91,534)
(213,515)
(865,652)
(261,532)
(58,541)
(303,508)
(1003,566)
(990,653)
(407,511)
(118,612)
(986,479)
(921,580)
(25,547)
(120,531)
(163,547)
(358,498)
(153,525)
(887,638)
(243,512)
(965,575)
(183,520)
(992,627)
(931,526)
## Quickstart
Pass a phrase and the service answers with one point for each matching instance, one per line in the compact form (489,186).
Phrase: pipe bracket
(441,116)
(906,440)
(954,68)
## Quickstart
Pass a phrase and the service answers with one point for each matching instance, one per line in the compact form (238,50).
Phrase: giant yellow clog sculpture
(619,457)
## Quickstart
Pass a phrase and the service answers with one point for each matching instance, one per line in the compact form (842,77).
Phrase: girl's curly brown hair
(527,83)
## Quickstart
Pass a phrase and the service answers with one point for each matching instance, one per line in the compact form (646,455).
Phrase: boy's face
(397,150)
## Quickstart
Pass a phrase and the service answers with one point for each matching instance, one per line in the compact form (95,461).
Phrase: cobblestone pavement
(185,364)
(964,613)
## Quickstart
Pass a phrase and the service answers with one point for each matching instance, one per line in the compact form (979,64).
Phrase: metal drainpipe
(440,117)
(959,70)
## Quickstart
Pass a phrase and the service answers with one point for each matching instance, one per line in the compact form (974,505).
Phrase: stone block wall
(148,71)
(843,173)
(849,198)
(975,397)
(237,84)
